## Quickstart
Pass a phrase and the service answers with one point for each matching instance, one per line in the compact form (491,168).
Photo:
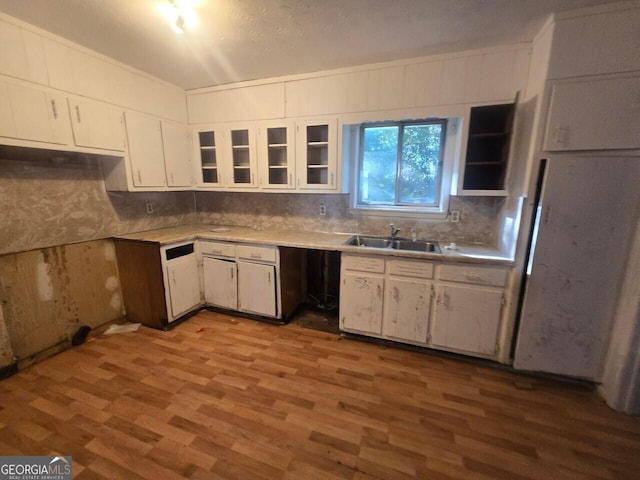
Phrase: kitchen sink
(395,243)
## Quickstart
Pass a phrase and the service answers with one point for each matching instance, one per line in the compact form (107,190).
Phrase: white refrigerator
(587,212)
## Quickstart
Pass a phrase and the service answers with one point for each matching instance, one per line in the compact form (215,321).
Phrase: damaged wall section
(48,294)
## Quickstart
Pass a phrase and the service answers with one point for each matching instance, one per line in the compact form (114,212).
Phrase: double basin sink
(430,246)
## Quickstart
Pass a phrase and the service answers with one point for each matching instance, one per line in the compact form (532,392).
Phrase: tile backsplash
(62,200)
(292,211)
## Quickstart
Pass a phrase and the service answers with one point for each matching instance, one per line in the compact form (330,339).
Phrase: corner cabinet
(146,156)
(97,125)
(458,308)
(488,150)
(317,154)
(157,157)
(160,284)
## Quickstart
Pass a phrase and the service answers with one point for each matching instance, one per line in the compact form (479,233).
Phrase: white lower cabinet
(257,290)
(220,286)
(184,286)
(425,303)
(361,294)
(363,311)
(407,307)
(467,319)
(181,279)
(468,309)
(256,279)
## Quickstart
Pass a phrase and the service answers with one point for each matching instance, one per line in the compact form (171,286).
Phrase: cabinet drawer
(219,249)
(496,277)
(252,252)
(410,269)
(363,264)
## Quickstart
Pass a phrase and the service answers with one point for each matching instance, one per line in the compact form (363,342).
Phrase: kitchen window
(400,168)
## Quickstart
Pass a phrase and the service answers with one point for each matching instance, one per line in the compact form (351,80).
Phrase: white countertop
(311,240)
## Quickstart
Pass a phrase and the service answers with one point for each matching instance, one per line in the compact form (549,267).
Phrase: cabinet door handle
(139,176)
(232,274)
(78,113)
(332,179)
(54,109)
(290,179)
(269,277)
(172,181)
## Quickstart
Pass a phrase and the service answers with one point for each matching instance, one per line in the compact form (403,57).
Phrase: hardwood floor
(220,397)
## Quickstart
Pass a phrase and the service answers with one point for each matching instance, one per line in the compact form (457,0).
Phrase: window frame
(450,145)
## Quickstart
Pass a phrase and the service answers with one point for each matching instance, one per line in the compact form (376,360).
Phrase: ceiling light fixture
(179,13)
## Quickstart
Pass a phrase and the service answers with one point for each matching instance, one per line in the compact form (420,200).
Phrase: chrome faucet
(394,230)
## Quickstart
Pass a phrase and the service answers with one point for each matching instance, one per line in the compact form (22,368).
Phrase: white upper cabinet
(594,114)
(144,141)
(227,156)
(276,154)
(316,154)
(96,125)
(33,114)
(7,124)
(13,61)
(208,148)
(240,156)
(175,142)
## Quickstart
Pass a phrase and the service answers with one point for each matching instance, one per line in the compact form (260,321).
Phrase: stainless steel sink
(395,243)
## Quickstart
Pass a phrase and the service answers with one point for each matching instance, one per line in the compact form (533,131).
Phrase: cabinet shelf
(488,147)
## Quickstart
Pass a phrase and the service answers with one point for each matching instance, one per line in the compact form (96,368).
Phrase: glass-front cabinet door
(241,156)
(276,155)
(209,158)
(316,148)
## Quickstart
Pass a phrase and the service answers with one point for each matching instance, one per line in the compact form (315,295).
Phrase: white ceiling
(248,39)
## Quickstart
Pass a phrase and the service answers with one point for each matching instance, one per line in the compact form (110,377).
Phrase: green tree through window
(401,163)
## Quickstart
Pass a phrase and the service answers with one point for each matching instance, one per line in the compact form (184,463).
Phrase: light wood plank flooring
(220,397)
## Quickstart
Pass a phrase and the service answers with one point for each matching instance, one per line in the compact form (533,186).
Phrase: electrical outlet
(455,216)
(323,210)
(149,206)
